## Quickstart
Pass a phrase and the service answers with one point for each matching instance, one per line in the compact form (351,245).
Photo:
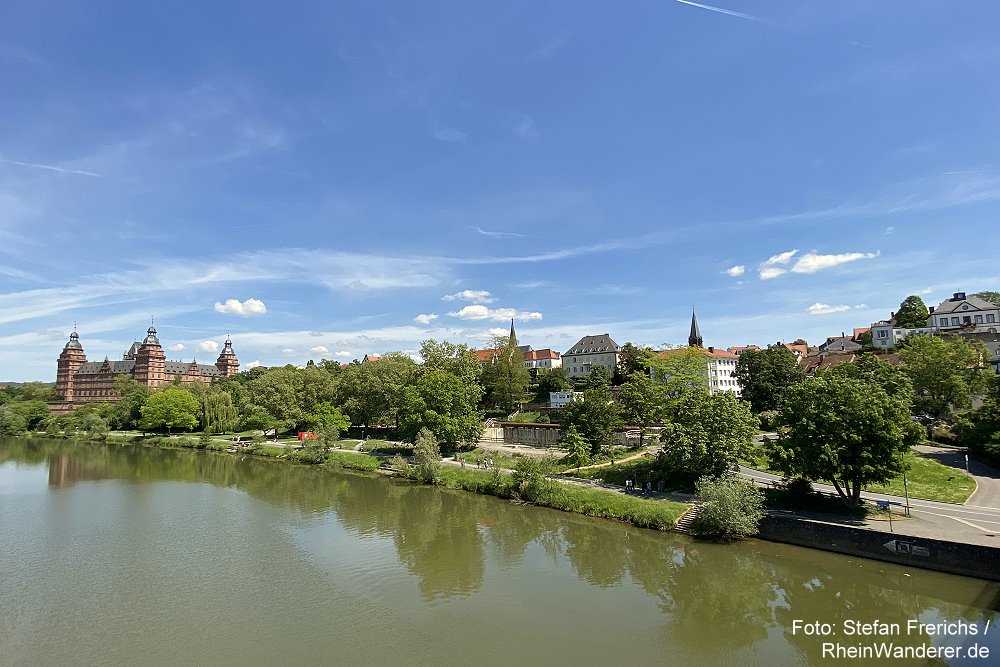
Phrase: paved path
(987,492)
(947,521)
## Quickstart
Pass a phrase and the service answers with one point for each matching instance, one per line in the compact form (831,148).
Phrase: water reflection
(712,599)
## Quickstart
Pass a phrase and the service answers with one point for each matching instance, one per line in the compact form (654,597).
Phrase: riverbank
(656,514)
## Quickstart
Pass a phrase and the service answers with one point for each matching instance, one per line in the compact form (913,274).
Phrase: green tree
(328,419)
(370,393)
(441,402)
(945,372)
(765,376)
(632,360)
(34,412)
(426,455)
(596,418)
(274,400)
(219,413)
(842,430)
(992,297)
(680,371)
(550,380)
(643,403)
(127,410)
(912,313)
(712,432)
(873,369)
(170,408)
(577,447)
(599,378)
(11,421)
(93,426)
(505,379)
(457,359)
(730,507)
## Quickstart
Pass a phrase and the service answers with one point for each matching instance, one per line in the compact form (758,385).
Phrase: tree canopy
(944,372)
(172,409)
(912,313)
(765,376)
(844,431)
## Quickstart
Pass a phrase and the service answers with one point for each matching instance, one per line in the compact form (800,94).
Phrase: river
(129,555)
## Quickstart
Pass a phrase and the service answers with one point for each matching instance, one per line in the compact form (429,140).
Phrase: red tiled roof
(485,355)
(536,355)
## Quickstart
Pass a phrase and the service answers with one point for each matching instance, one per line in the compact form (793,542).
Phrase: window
(883,333)
(979,319)
(954,321)
(944,322)
(989,318)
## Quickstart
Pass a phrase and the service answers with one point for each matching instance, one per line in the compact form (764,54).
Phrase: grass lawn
(926,479)
(929,480)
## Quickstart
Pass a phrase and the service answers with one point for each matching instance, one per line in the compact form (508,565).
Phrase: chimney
(711,349)
(931,309)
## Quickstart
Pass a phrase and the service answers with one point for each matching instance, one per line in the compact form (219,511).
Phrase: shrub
(731,508)
(426,455)
(528,480)
(769,420)
(399,464)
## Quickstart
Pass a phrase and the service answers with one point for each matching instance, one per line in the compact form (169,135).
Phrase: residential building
(886,335)
(965,313)
(80,381)
(560,399)
(547,358)
(371,357)
(740,349)
(840,343)
(588,353)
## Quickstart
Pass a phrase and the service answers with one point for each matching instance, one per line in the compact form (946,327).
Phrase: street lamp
(906,491)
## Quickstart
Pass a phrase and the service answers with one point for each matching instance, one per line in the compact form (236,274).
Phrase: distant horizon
(334,181)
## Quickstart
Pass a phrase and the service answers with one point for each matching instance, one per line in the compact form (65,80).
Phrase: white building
(560,399)
(546,358)
(589,352)
(959,314)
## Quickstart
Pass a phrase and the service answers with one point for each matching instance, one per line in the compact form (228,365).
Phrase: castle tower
(150,360)
(227,361)
(694,338)
(70,360)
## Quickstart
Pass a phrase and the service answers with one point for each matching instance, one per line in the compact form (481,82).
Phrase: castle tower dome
(150,361)
(68,364)
(227,361)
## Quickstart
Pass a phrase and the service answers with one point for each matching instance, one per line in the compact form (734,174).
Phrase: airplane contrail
(49,167)
(727,12)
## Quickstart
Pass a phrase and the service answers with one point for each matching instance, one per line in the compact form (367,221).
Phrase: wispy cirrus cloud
(450,134)
(499,235)
(771,267)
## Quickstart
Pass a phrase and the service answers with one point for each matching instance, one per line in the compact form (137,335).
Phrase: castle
(80,381)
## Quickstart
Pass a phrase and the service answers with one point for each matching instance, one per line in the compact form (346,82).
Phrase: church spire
(694,338)
(512,341)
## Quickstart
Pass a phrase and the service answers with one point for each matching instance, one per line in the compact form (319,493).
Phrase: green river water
(135,556)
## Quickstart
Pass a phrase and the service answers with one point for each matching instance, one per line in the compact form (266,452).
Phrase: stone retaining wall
(973,560)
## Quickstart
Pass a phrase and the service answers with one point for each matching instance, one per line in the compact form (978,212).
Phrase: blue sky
(333,179)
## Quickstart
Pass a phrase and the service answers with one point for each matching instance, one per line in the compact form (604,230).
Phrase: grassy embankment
(926,479)
(642,512)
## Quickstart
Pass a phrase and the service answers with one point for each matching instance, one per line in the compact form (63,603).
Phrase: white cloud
(253,364)
(771,272)
(425,319)
(826,309)
(780,258)
(288,351)
(176,348)
(319,349)
(243,309)
(450,134)
(736,271)
(479,312)
(890,230)
(470,295)
(343,354)
(208,346)
(813,262)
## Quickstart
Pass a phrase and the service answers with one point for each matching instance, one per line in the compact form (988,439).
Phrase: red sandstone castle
(81,381)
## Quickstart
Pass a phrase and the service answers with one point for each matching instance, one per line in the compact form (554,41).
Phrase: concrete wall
(971,560)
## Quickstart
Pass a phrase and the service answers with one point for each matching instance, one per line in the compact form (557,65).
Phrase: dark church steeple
(694,338)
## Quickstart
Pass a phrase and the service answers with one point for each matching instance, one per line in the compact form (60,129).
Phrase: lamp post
(906,491)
